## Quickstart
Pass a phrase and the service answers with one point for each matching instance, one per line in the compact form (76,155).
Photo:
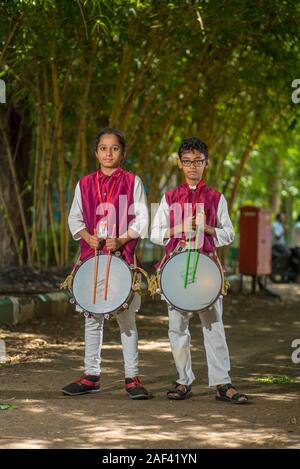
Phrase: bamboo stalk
(61,161)
(44,181)
(37,199)
(53,233)
(11,227)
(46,243)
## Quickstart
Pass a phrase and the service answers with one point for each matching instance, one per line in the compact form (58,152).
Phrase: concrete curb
(18,309)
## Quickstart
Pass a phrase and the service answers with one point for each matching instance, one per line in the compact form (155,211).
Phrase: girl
(109,186)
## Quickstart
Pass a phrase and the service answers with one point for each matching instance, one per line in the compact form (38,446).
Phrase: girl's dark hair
(112,131)
(193,144)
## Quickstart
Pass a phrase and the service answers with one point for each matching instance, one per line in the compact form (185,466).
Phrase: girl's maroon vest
(202,194)
(123,182)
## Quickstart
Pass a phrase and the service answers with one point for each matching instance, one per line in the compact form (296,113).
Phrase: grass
(276,379)
(6,406)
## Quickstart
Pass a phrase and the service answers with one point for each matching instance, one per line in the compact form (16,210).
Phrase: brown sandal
(180,392)
(237,398)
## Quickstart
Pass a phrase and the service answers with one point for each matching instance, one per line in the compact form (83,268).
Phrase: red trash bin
(255,241)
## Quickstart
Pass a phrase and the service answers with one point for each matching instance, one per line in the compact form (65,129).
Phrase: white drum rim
(170,302)
(127,298)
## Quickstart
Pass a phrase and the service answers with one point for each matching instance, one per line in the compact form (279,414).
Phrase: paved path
(45,354)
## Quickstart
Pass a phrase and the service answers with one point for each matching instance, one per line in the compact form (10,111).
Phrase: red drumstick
(108,267)
(95,272)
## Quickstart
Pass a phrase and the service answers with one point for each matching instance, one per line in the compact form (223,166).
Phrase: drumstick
(95,272)
(196,254)
(108,267)
(187,262)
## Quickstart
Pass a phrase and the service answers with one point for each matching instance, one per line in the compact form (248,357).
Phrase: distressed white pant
(216,349)
(129,339)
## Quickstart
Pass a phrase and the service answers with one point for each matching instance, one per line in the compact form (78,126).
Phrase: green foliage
(280,379)
(7,406)
(159,70)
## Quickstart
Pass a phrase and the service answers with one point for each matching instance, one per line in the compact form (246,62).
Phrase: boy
(218,231)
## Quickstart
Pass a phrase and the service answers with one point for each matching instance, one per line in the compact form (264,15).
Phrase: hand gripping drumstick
(108,267)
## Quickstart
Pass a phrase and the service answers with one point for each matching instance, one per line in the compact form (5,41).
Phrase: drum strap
(67,283)
(225,283)
(136,282)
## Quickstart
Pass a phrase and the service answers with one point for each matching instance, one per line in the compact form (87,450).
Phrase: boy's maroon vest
(202,194)
(123,182)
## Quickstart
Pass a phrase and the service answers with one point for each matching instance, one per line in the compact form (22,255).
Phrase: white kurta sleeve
(140,224)
(75,219)
(161,223)
(224,228)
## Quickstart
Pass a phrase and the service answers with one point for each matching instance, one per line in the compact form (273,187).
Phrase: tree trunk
(275,190)
(10,254)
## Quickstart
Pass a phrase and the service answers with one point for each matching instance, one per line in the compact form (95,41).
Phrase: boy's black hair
(111,131)
(193,144)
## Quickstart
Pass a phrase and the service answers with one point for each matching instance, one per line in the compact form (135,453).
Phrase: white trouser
(129,339)
(217,354)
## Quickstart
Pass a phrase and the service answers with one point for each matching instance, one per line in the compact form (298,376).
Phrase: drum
(119,292)
(199,294)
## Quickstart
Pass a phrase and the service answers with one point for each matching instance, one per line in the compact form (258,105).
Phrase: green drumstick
(187,262)
(196,254)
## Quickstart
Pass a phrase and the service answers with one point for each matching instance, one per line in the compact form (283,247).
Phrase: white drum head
(119,285)
(197,295)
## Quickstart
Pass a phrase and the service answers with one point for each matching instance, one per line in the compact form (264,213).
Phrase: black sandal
(180,392)
(237,398)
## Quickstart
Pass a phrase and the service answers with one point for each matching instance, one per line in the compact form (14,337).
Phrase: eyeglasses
(189,163)
(114,148)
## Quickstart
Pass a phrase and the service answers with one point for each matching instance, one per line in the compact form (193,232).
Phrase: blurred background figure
(279,248)
(279,232)
(295,236)
(295,246)
(285,260)
(280,252)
